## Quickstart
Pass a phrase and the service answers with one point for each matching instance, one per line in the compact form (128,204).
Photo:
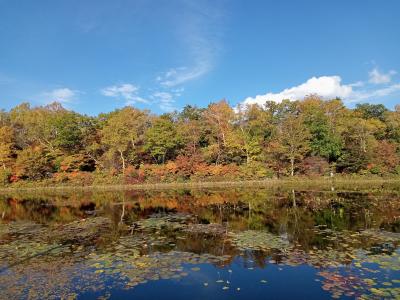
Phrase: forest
(311,137)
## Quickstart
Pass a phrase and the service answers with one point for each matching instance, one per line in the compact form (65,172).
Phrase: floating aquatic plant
(258,240)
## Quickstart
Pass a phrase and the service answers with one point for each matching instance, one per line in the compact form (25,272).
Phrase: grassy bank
(297,182)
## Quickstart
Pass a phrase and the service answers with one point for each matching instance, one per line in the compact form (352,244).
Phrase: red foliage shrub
(385,158)
(133,175)
(75,178)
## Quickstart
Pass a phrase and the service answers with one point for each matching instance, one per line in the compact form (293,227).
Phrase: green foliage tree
(219,119)
(34,163)
(124,131)
(192,129)
(68,131)
(254,141)
(36,125)
(360,141)
(321,121)
(369,111)
(248,135)
(392,121)
(293,139)
(162,139)
(6,146)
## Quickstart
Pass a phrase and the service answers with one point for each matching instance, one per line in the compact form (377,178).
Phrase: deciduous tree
(123,132)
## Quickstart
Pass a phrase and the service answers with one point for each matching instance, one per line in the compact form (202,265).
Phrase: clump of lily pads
(258,240)
(163,221)
(132,269)
(206,229)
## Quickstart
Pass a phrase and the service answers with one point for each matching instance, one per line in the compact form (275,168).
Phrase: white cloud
(324,86)
(126,91)
(329,87)
(376,77)
(357,84)
(62,95)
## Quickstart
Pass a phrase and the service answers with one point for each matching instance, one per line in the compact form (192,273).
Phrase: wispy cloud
(377,77)
(166,100)
(125,91)
(358,96)
(179,76)
(329,87)
(199,31)
(62,95)
(196,29)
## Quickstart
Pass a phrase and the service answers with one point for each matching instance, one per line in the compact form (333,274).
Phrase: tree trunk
(246,146)
(121,221)
(332,167)
(292,166)
(247,156)
(294,198)
(123,161)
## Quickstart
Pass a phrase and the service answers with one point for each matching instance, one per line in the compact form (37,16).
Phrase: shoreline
(287,182)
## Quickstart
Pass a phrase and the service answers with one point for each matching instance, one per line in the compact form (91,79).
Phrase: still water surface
(198,244)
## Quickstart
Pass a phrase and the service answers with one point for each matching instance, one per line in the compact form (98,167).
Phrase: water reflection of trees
(290,215)
(275,210)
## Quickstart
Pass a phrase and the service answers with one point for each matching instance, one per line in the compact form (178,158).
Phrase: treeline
(309,137)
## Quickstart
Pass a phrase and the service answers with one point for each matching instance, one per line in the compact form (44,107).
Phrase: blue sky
(95,56)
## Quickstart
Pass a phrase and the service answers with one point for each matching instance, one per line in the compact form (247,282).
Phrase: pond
(201,244)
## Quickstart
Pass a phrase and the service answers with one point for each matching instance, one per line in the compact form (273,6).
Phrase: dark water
(227,244)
